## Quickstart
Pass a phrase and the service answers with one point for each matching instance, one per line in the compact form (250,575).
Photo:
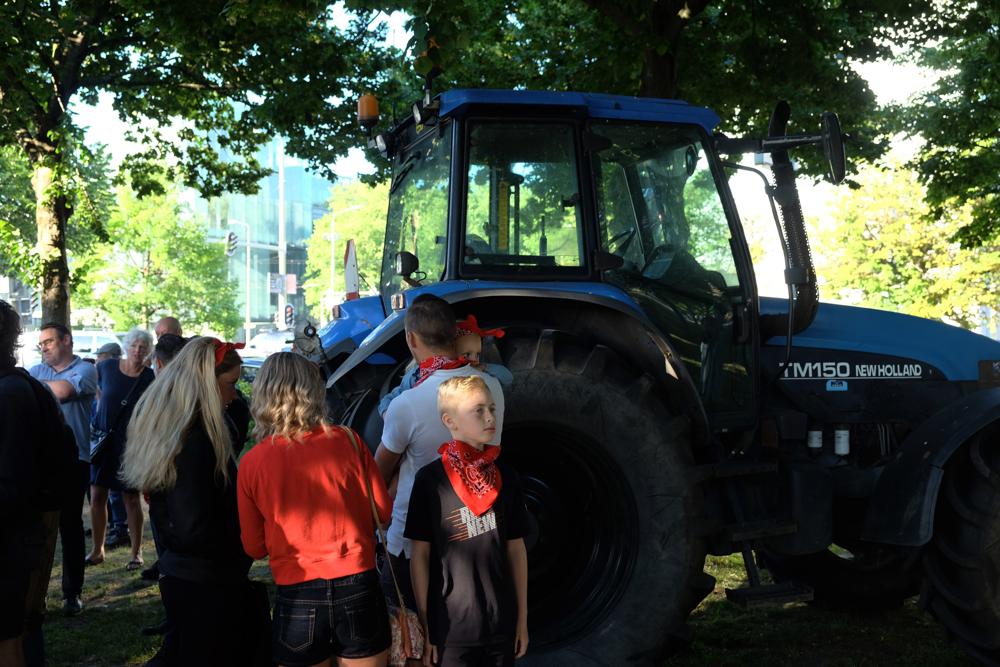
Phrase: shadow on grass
(117,605)
(800,634)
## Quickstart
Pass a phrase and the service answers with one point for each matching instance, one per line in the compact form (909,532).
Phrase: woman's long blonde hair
(186,389)
(289,397)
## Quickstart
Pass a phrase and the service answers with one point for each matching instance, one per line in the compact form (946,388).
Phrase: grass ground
(119,603)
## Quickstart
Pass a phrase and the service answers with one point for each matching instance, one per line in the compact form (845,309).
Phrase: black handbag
(99,438)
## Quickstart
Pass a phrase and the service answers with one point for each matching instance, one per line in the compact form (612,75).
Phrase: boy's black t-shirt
(471,598)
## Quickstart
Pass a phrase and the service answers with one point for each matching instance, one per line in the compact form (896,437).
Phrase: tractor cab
(567,188)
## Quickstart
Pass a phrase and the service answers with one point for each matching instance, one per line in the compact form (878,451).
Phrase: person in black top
(467,521)
(18,418)
(180,452)
(38,455)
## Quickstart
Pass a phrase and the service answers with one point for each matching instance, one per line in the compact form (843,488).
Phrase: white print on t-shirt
(467,525)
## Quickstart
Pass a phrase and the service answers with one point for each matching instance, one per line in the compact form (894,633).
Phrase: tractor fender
(620,321)
(902,508)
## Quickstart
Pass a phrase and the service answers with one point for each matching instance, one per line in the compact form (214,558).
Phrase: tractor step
(732,469)
(755,530)
(769,594)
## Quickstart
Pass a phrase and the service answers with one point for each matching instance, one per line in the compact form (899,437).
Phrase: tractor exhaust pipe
(801,274)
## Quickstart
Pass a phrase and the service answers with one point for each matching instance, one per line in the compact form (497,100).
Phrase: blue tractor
(660,409)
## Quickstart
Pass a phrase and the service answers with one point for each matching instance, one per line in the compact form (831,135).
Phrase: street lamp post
(247,326)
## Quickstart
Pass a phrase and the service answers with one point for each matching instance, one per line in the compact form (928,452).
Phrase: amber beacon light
(368,111)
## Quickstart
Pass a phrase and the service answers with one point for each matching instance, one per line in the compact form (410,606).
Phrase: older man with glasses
(73,382)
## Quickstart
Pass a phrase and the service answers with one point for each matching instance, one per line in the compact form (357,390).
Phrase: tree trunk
(659,73)
(51,215)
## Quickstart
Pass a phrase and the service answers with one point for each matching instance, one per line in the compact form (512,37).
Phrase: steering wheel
(655,255)
(627,235)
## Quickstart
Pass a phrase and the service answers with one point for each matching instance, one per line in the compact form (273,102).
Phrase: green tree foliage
(158,262)
(883,248)
(224,76)
(738,58)
(960,116)
(358,212)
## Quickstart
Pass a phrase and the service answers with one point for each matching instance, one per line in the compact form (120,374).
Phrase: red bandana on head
(438,363)
(472,473)
(470,326)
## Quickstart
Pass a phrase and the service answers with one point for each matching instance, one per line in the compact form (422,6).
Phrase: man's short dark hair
(433,319)
(168,346)
(61,328)
(10,330)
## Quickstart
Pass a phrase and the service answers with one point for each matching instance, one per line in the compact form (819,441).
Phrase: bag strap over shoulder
(378,524)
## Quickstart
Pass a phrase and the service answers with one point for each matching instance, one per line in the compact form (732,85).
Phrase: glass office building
(292,198)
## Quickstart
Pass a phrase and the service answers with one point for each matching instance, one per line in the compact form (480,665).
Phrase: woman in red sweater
(303,501)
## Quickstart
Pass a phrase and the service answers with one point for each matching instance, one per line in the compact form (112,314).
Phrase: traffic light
(231,240)
(289,315)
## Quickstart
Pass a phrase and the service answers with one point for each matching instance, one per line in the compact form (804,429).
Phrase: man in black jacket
(37,450)
(23,534)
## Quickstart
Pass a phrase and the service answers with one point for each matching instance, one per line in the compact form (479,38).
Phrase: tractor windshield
(417,221)
(523,211)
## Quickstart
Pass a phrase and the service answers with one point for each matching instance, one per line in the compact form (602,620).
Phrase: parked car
(269,342)
(86,343)
(250,367)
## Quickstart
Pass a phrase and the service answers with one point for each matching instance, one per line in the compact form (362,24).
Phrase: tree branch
(65,70)
(614,11)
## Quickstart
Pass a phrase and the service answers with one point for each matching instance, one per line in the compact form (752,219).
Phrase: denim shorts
(320,618)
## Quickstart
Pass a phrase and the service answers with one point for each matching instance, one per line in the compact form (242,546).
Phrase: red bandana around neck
(473,474)
(438,363)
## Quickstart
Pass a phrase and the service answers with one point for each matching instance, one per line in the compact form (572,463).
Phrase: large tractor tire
(864,578)
(962,566)
(614,565)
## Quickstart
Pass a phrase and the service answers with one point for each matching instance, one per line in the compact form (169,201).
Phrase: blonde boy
(467,522)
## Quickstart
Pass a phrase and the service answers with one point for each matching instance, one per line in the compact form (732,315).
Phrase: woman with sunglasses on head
(180,452)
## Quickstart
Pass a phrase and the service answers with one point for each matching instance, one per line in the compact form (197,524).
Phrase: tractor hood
(954,351)
(357,319)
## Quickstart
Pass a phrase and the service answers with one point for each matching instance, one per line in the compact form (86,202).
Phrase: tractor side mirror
(833,146)
(406,264)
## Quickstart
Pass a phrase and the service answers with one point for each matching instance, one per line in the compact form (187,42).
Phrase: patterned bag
(404,624)
(406,629)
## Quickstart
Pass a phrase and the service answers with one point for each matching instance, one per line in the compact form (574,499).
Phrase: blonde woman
(180,452)
(303,499)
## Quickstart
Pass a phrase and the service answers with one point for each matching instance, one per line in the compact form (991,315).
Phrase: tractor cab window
(523,209)
(659,208)
(415,238)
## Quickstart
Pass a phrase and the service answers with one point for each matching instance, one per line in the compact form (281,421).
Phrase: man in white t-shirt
(413,431)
